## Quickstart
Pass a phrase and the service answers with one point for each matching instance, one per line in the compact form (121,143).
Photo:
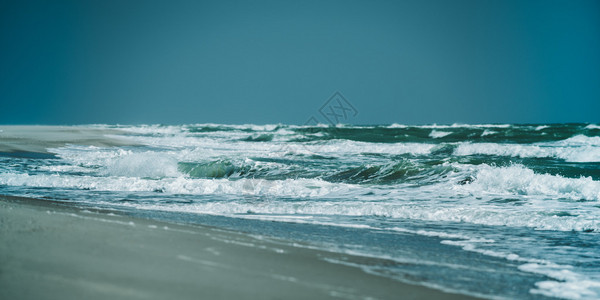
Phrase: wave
(519,180)
(488,132)
(343,147)
(259,138)
(446,178)
(439,134)
(282,162)
(146,165)
(579,140)
(298,188)
(446,133)
(236,169)
(396,172)
(301,161)
(575,149)
(209,127)
(471,203)
(455,125)
(278,169)
(395,133)
(216,169)
(464,214)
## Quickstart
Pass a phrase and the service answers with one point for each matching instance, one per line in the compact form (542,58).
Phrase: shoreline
(52,250)
(37,139)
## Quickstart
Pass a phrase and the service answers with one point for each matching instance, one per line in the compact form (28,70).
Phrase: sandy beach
(51,251)
(33,139)
(300,149)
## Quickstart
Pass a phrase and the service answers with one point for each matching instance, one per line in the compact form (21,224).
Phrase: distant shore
(38,139)
(51,251)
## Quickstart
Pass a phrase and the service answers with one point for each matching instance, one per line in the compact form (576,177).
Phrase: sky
(264,62)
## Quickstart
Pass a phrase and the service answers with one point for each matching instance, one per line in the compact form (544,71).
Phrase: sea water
(498,211)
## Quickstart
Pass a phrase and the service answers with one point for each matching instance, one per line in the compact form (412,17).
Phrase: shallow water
(500,211)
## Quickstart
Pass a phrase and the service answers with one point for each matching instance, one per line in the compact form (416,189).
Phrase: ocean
(499,211)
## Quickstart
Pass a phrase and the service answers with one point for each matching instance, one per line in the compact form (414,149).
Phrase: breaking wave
(489,180)
(576,149)
(519,180)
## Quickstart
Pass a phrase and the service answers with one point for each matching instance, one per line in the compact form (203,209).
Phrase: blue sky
(412,62)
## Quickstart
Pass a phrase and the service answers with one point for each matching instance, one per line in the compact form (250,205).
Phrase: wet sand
(52,251)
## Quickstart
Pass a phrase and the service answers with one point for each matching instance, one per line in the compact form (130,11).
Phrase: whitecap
(488,132)
(439,134)
(519,180)
(575,149)
(396,125)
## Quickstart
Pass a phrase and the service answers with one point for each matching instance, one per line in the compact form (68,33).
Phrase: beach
(300,150)
(52,251)
(276,211)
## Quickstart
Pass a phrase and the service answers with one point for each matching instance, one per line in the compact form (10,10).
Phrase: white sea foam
(519,180)
(488,132)
(153,129)
(455,125)
(396,125)
(472,246)
(66,169)
(578,140)
(439,234)
(464,214)
(252,127)
(458,125)
(135,163)
(575,149)
(344,147)
(150,164)
(281,188)
(579,148)
(541,127)
(513,196)
(185,148)
(567,284)
(540,191)
(129,169)
(439,134)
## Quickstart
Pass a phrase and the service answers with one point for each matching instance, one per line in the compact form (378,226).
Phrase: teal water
(498,210)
